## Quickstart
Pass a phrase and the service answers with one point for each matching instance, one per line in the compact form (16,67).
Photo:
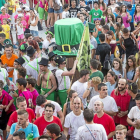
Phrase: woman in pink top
(4,14)
(102,5)
(137,14)
(125,16)
(107,12)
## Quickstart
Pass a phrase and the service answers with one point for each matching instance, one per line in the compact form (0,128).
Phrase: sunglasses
(97,19)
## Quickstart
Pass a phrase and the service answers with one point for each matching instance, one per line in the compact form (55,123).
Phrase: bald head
(77,105)
(98,106)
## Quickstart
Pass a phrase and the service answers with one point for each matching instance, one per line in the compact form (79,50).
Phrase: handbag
(10,12)
(56,6)
(90,133)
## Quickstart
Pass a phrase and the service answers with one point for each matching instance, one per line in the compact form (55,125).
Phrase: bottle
(30,103)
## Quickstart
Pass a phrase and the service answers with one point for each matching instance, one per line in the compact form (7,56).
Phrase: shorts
(42,13)
(21,36)
(59,11)
(34,33)
(50,10)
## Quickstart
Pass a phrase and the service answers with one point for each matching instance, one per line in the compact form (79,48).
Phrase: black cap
(43,62)
(23,47)
(20,60)
(59,59)
(30,51)
(51,54)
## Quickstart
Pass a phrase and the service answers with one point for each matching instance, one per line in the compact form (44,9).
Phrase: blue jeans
(136,139)
(112,57)
(34,33)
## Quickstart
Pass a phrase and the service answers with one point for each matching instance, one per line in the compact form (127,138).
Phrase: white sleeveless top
(19,30)
(34,28)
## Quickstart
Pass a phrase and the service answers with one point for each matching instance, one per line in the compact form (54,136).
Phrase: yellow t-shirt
(15,3)
(6,29)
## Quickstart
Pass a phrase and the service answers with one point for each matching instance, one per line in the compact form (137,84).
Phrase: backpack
(107,63)
(29,101)
(46,6)
(116,52)
(56,6)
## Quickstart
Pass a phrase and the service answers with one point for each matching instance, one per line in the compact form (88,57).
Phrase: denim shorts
(59,11)
(34,33)
(50,10)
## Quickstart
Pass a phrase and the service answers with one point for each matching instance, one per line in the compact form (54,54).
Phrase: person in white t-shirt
(41,102)
(134,114)
(74,119)
(62,76)
(52,65)
(121,132)
(79,85)
(110,106)
(90,131)
(65,13)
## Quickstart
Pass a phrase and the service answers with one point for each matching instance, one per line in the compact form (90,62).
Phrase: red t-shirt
(107,122)
(41,123)
(13,117)
(123,102)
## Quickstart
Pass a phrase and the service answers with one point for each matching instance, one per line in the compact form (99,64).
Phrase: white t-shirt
(15,76)
(40,110)
(80,89)
(73,122)
(61,79)
(65,14)
(27,59)
(52,67)
(30,70)
(109,103)
(97,131)
(46,43)
(3,75)
(135,114)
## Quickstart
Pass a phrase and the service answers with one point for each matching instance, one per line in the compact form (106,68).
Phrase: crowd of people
(37,100)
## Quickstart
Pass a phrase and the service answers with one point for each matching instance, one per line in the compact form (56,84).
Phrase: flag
(83,54)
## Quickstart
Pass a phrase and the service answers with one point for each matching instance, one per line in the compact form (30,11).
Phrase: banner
(84,55)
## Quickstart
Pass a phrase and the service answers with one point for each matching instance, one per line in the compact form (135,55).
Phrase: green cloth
(65,53)
(38,88)
(95,14)
(2,2)
(97,74)
(51,96)
(112,29)
(68,31)
(84,55)
(62,94)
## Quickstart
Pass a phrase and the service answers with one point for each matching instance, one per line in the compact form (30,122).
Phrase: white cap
(27,9)
(20,15)
(3,8)
(19,9)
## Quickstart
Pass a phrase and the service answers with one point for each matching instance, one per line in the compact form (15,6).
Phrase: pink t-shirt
(24,24)
(35,94)
(40,4)
(4,16)
(15,17)
(28,95)
(26,18)
(12,107)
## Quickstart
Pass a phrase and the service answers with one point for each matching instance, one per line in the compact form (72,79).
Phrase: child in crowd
(6,28)
(65,13)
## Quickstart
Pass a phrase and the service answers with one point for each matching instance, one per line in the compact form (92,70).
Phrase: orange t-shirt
(9,62)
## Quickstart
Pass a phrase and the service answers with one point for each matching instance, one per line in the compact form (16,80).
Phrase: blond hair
(121,127)
(96,80)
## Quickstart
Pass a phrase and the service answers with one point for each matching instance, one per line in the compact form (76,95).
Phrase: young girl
(111,40)
(137,14)
(125,16)
(112,4)
(137,77)
(110,22)
(117,67)
(118,34)
(19,30)
(111,81)
(129,72)
(6,28)
(102,5)
(97,29)
(107,12)
(120,20)
(127,42)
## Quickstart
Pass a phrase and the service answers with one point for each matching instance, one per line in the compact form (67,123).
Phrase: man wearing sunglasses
(63,79)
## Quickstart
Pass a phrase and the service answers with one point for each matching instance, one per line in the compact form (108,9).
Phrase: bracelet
(87,89)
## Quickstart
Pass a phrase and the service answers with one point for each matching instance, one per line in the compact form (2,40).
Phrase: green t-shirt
(97,74)
(2,2)
(95,14)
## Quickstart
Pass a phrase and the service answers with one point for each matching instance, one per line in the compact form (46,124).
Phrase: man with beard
(122,99)
(47,119)
(102,118)
(74,119)
(110,106)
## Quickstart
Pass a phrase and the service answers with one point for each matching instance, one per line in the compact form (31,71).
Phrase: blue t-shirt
(31,127)
(131,12)
(110,87)
(115,14)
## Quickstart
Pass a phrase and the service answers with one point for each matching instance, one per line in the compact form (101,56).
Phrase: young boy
(6,28)
(117,11)
(2,38)
(31,82)
(65,13)
(82,18)
(131,11)
(121,131)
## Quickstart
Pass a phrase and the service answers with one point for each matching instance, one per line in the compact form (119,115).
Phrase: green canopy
(68,31)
